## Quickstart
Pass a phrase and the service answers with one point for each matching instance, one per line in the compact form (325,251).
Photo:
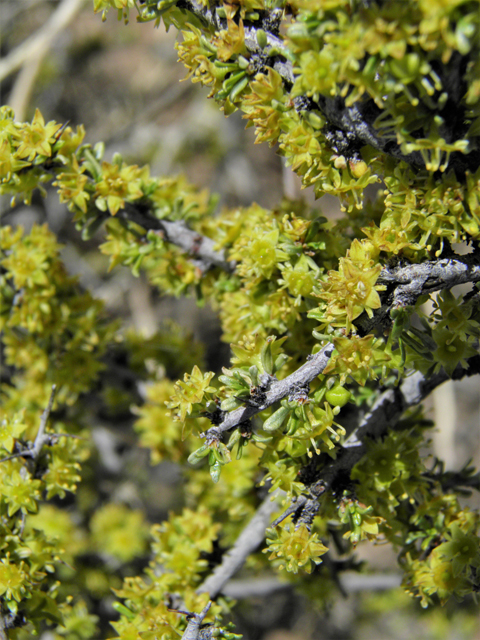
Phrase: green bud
(238,88)
(242,62)
(262,39)
(338,396)
(197,455)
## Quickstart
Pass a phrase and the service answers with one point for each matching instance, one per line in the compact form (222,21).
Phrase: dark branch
(385,415)
(354,119)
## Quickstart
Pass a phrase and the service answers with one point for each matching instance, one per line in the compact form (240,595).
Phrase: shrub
(333,344)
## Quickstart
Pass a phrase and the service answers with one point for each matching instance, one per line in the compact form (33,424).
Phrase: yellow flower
(119,184)
(357,357)
(36,138)
(12,580)
(296,546)
(71,187)
(230,42)
(351,290)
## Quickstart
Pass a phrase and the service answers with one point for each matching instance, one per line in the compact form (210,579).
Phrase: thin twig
(49,439)
(42,438)
(26,453)
(192,632)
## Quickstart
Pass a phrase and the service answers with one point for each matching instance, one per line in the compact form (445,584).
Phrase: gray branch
(247,542)
(351,581)
(200,248)
(277,390)
(414,280)
(192,632)
(406,283)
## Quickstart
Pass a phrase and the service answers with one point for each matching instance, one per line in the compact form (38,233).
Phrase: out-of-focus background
(123,82)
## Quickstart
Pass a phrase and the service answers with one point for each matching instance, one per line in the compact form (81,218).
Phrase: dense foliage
(338,330)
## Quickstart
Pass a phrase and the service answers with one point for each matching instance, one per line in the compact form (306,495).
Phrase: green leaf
(276,420)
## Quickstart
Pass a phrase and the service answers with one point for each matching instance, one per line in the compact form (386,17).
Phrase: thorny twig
(42,439)
(277,390)
(195,620)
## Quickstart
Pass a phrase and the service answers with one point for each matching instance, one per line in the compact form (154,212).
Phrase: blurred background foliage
(124,84)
